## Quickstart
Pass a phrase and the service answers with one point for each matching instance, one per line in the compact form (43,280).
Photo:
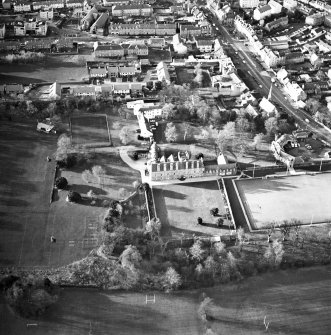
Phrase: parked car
(138,131)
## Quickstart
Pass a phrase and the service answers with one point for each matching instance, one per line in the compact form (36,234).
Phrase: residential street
(277,94)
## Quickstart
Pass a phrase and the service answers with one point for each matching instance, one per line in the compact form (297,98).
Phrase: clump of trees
(74,197)
(30,297)
(23,57)
(61,183)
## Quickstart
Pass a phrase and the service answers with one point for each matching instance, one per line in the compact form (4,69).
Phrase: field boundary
(242,205)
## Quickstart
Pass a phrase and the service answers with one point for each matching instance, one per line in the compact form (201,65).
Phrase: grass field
(295,302)
(89,130)
(179,205)
(54,68)
(27,219)
(302,197)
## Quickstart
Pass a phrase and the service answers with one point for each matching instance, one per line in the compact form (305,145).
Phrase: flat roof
(303,197)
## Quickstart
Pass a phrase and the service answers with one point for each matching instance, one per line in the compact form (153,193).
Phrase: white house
(267,106)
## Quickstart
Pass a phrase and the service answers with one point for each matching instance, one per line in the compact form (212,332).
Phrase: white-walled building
(276,7)
(249,3)
(261,12)
(315,19)
(295,91)
(291,5)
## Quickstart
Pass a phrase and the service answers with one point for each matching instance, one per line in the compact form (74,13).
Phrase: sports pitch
(27,219)
(89,130)
(302,197)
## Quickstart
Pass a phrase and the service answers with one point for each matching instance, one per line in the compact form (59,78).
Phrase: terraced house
(132,10)
(112,50)
(150,29)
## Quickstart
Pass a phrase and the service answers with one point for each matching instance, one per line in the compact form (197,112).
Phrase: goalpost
(150,299)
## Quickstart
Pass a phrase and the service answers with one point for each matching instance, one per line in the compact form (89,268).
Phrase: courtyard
(179,205)
(304,197)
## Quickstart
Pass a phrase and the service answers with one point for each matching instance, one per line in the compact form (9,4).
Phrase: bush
(214,211)
(61,183)
(74,196)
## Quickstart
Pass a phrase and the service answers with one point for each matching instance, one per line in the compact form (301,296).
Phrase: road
(277,95)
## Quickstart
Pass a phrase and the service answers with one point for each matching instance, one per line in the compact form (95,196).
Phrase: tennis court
(302,197)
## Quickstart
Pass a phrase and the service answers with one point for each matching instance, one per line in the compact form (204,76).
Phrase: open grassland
(179,205)
(301,197)
(89,130)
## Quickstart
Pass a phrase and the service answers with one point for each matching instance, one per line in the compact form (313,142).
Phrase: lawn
(90,130)
(302,197)
(184,75)
(179,205)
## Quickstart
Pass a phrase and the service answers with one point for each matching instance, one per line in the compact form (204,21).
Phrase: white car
(260,85)
(214,25)
(244,61)
(217,28)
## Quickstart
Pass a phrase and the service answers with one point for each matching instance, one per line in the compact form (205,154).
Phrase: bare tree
(171,132)
(124,135)
(171,279)
(240,237)
(168,111)
(187,129)
(257,140)
(98,171)
(285,229)
(196,250)
(271,227)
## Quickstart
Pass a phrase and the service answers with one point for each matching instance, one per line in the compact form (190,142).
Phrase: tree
(210,265)
(116,125)
(74,196)
(196,251)
(225,136)
(63,148)
(312,105)
(153,227)
(271,126)
(171,279)
(87,176)
(130,257)
(271,227)
(240,237)
(257,140)
(98,171)
(274,254)
(187,129)
(91,195)
(123,193)
(124,135)
(214,211)
(168,111)
(243,124)
(218,248)
(136,184)
(219,222)
(61,183)
(204,134)
(285,229)
(171,132)
(200,221)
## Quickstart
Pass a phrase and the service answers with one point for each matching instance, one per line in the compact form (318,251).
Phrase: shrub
(74,196)
(61,183)
(214,211)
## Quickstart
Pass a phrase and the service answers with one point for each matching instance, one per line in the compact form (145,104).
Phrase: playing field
(27,219)
(179,205)
(293,302)
(302,197)
(90,130)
